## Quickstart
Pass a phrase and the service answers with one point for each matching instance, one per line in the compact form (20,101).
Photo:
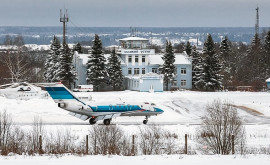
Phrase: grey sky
(150,13)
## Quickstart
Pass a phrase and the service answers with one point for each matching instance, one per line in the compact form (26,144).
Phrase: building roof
(179,59)
(85,58)
(133,39)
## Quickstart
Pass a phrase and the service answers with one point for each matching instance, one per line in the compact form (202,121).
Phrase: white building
(140,66)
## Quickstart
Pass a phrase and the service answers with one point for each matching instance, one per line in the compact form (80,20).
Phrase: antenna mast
(64,19)
(257,20)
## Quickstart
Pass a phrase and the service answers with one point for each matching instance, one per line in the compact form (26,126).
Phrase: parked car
(83,88)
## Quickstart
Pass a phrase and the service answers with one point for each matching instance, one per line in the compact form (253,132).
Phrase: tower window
(136,58)
(136,71)
(143,70)
(129,58)
(129,70)
(143,58)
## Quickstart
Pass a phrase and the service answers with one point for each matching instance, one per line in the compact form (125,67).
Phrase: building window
(183,83)
(143,58)
(183,71)
(136,58)
(174,83)
(143,70)
(136,71)
(129,70)
(154,70)
(129,58)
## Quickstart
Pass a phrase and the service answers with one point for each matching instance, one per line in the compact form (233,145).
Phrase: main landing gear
(92,121)
(107,121)
(146,120)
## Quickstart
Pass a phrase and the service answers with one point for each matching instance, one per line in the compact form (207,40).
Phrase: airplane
(67,101)
(22,91)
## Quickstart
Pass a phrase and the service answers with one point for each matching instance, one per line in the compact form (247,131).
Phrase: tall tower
(257,21)
(64,19)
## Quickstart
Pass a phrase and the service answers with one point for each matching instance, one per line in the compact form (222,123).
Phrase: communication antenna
(64,19)
(257,20)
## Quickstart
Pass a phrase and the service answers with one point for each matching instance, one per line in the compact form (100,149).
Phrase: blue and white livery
(67,101)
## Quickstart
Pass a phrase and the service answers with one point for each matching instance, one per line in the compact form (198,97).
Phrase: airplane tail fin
(60,93)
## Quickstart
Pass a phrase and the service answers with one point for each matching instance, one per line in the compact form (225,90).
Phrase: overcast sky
(136,13)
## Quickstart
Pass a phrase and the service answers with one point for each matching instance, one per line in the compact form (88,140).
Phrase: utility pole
(257,20)
(64,19)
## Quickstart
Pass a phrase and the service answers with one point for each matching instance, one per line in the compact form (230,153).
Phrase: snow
(179,59)
(134,39)
(85,58)
(135,160)
(182,115)
(180,107)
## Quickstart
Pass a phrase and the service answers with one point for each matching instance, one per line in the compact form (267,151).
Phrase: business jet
(67,101)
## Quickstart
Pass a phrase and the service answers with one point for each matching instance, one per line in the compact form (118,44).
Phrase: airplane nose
(159,110)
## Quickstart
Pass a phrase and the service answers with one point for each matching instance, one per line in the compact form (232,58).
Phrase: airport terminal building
(140,66)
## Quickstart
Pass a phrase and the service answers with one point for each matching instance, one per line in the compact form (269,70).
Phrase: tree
(179,48)
(51,63)
(78,48)
(211,77)
(96,72)
(197,66)
(8,40)
(114,70)
(225,57)
(219,124)
(18,40)
(66,72)
(254,59)
(188,48)
(168,68)
(266,48)
(17,65)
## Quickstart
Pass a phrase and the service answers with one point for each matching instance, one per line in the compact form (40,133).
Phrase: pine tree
(96,72)
(66,72)
(51,62)
(188,48)
(196,66)
(78,48)
(168,68)
(255,60)
(210,79)
(225,57)
(114,70)
(266,48)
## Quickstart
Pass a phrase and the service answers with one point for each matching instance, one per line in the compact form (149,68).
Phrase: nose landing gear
(146,120)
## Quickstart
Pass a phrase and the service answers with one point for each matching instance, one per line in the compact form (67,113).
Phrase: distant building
(140,67)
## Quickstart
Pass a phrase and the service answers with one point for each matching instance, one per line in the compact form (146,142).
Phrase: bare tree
(17,65)
(106,139)
(151,140)
(220,122)
(5,131)
(37,130)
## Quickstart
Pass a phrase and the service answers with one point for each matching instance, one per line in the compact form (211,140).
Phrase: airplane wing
(99,117)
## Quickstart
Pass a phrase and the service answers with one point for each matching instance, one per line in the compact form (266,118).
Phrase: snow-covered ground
(135,160)
(182,112)
(181,107)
